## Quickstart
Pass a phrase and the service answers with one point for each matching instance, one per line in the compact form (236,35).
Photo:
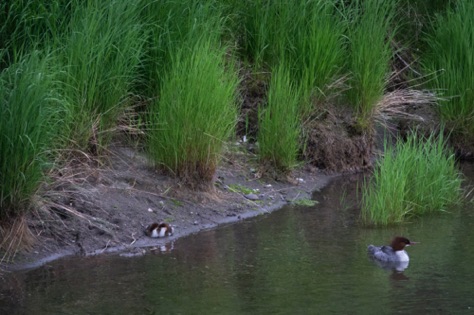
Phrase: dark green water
(294,261)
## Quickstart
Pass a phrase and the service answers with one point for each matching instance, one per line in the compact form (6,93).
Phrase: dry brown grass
(394,104)
(15,235)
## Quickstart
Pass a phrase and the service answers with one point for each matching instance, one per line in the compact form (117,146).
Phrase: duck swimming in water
(393,256)
(159,230)
(395,252)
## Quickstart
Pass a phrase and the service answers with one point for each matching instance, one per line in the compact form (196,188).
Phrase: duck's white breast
(402,255)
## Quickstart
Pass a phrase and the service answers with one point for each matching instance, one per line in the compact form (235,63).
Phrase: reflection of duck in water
(393,257)
(159,230)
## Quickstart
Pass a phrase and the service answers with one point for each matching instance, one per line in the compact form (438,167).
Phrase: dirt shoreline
(107,210)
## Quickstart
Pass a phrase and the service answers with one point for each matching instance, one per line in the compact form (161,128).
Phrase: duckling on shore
(159,230)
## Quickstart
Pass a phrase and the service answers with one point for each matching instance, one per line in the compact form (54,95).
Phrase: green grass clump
(450,50)
(196,112)
(319,49)
(416,177)
(25,131)
(100,53)
(307,34)
(415,20)
(279,124)
(28,25)
(260,31)
(241,189)
(170,24)
(370,32)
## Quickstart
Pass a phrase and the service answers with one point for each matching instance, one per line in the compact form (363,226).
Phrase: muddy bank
(105,209)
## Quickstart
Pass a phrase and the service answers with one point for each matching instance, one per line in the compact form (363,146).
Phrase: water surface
(298,260)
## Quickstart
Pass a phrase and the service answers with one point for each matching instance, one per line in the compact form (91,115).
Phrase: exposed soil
(335,143)
(253,92)
(106,209)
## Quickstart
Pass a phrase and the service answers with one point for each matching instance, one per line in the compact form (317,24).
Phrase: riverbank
(177,77)
(105,209)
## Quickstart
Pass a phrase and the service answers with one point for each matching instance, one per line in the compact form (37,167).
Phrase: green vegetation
(26,127)
(187,64)
(196,112)
(171,25)
(450,55)
(242,189)
(416,177)
(279,122)
(305,202)
(29,25)
(317,58)
(307,34)
(100,53)
(415,20)
(370,32)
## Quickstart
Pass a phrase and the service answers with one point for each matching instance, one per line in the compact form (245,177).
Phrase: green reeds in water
(450,55)
(100,54)
(416,177)
(26,131)
(371,28)
(196,112)
(279,124)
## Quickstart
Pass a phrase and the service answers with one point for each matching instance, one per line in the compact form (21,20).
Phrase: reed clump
(196,113)
(450,55)
(99,52)
(371,28)
(279,122)
(27,105)
(308,35)
(170,25)
(415,177)
(30,25)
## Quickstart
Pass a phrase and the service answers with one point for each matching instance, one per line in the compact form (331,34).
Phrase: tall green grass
(260,32)
(371,28)
(171,24)
(196,112)
(450,51)
(308,35)
(28,25)
(416,177)
(415,21)
(279,123)
(26,130)
(319,50)
(100,53)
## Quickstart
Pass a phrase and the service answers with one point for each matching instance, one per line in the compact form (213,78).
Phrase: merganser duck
(159,230)
(393,253)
